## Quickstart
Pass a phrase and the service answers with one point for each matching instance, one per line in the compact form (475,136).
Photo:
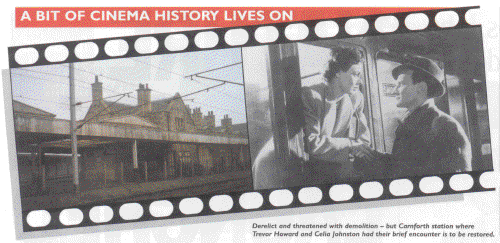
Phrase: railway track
(232,185)
(131,192)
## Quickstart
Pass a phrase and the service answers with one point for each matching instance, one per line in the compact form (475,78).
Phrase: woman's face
(349,81)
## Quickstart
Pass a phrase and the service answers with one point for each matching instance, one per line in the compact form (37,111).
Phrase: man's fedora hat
(435,87)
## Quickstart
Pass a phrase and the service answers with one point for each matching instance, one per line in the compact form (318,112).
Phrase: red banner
(32,17)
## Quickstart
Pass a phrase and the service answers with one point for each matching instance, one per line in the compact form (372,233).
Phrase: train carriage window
(257,99)
(387,89)
(461,92)
(312,60)
(482,116)
(456,98)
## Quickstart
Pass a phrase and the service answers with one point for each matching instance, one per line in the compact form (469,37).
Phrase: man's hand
(363,151)
(374,163)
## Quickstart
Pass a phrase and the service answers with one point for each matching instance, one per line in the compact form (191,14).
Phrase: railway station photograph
(144,128)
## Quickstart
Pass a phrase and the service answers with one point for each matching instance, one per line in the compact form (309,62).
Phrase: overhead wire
(57,75)
(128,83)
(43,79)
(230,95)
(113,96)
(97,115)
(190,77)
(35,71)
(52,80)
(159,111)
(34,99)
(213,69)
(121,81)
(82,70)
(78,80)
(50,101)
(104,76)
(148,64)
(219,108)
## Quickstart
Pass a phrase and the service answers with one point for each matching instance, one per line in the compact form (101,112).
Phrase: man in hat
(428,141)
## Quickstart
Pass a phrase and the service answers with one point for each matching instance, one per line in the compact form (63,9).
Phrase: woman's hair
(342,60)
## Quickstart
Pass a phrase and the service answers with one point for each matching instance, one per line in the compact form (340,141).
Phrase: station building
(120,145)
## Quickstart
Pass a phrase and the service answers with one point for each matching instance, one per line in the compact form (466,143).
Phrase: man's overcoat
(430,141)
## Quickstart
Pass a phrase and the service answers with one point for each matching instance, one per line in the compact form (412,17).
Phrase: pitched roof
(235,128)
(131,120)
(120,109)
(125,109)
(241,127)
(130,114)
(161,105)
(21,107)
(157,106)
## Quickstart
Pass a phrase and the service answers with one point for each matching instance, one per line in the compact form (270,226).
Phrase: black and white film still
(368,108)
(168,136)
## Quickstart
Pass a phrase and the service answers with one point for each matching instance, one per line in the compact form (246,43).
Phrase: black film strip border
(250,30)
(357,196)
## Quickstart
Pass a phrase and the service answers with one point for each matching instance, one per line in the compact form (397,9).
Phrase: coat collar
(418,119)
(429,103)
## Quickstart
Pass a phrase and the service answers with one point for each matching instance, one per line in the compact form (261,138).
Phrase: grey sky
(47,87)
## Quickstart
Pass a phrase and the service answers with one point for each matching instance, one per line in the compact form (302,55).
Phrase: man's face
(350,80)
(407,91)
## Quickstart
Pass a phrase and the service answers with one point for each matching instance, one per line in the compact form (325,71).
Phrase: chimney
(226,123)
(210,120)
(96,90)
(197,116)
(144,98)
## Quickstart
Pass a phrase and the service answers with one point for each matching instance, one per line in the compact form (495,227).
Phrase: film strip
(256,200)
(190,41)
(237,202)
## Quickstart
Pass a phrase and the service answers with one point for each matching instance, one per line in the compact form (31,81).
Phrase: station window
(179,122)
(186,163)
(58,169)
(172,165)
(166,119)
